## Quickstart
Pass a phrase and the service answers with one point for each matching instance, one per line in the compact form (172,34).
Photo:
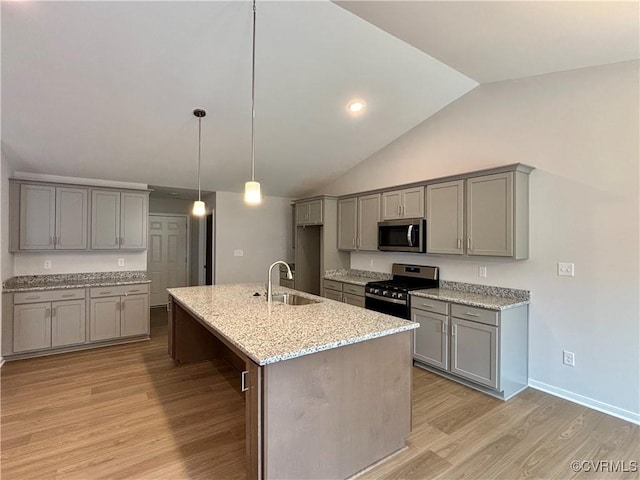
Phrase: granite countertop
(30,283)
(269,334)
(355,277)
(491,302)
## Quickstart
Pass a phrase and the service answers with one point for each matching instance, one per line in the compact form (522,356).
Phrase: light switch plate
(121,262)
(238,253)
(47,264)
(566,269)
(482,272)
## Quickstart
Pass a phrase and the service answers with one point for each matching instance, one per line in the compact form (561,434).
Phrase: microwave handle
(410,235)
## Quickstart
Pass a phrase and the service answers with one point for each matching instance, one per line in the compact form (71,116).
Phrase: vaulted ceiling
(107,89)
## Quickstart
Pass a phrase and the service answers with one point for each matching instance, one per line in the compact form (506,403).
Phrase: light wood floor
(127,412)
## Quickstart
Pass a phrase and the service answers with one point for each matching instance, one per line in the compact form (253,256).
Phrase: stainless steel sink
(293,299)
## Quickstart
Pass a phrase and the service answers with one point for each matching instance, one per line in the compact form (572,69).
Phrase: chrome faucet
(269,287)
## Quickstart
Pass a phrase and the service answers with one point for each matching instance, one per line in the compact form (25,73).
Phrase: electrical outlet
(238,253)
(566,269)
(482,272)
(568,358)
(121,262)
(47,264)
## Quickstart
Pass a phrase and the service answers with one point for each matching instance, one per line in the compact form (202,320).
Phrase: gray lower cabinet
(68,320)
(487,348)
(474,351)
(31,327)
(116,312)
(431,340)
(344,292)
(43,320)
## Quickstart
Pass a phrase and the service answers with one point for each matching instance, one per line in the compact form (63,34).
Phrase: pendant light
(198,206)
(252,194)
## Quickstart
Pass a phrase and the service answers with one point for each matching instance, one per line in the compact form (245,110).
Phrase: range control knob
(385,293)
(394,295)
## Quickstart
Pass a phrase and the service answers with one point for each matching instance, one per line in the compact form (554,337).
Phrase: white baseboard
(587,402)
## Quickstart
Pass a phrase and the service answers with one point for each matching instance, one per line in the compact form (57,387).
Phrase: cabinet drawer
(488,317)
(48,295)
(332,295)
(115,291)
(428,305)
(353,289)
(333,285)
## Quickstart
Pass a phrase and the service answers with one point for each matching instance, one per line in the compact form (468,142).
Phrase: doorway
(168,255)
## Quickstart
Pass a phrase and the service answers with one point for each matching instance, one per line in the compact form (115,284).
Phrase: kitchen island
(327,385)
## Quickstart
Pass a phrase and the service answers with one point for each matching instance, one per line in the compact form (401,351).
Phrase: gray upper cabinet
(406,203)
(493,203)
(53,217)
(71,218)
(347,223)
(485,215)
(368,218)
(105,220)
(37,217)
(133,220)
(309,213)
(358,219)
(118,220)
(445,223)
(49,217)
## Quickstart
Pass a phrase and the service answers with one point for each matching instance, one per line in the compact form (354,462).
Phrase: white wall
(262,232)
(580,129)
(6,258)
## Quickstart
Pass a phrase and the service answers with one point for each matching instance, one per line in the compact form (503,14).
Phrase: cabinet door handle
(116,241)
(122,304)
(243,381)
(459,243)
(105,293)
(444,328)
(54,311)
(471,314)
(357,242)
(169,306)
(54,241)
(427,305)
(47,312)
(454,330)
(468,243)
(32,297)
(134,290)
(67,295)
(353,242)
(50,240)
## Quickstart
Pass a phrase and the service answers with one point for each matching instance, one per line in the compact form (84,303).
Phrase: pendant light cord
(199,149)
(253,97)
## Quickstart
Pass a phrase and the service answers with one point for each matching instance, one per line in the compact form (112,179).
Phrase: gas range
(392,296)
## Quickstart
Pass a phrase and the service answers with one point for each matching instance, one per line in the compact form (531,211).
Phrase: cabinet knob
(243,381)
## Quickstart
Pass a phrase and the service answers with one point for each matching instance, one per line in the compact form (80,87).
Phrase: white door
(167,255)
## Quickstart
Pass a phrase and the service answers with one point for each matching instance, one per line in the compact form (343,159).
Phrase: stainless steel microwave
(405,235)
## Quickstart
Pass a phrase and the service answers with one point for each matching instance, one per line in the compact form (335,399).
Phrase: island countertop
(270,334)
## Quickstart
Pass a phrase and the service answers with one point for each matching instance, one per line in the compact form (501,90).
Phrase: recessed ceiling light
(356,106)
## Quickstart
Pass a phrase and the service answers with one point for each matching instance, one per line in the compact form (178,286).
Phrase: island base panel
(191,342)
(336,412)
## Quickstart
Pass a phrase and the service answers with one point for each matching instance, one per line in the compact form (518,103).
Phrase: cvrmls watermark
(605,466)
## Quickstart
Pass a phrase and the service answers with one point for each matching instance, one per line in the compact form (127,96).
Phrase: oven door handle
(385,299)
(410,235)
